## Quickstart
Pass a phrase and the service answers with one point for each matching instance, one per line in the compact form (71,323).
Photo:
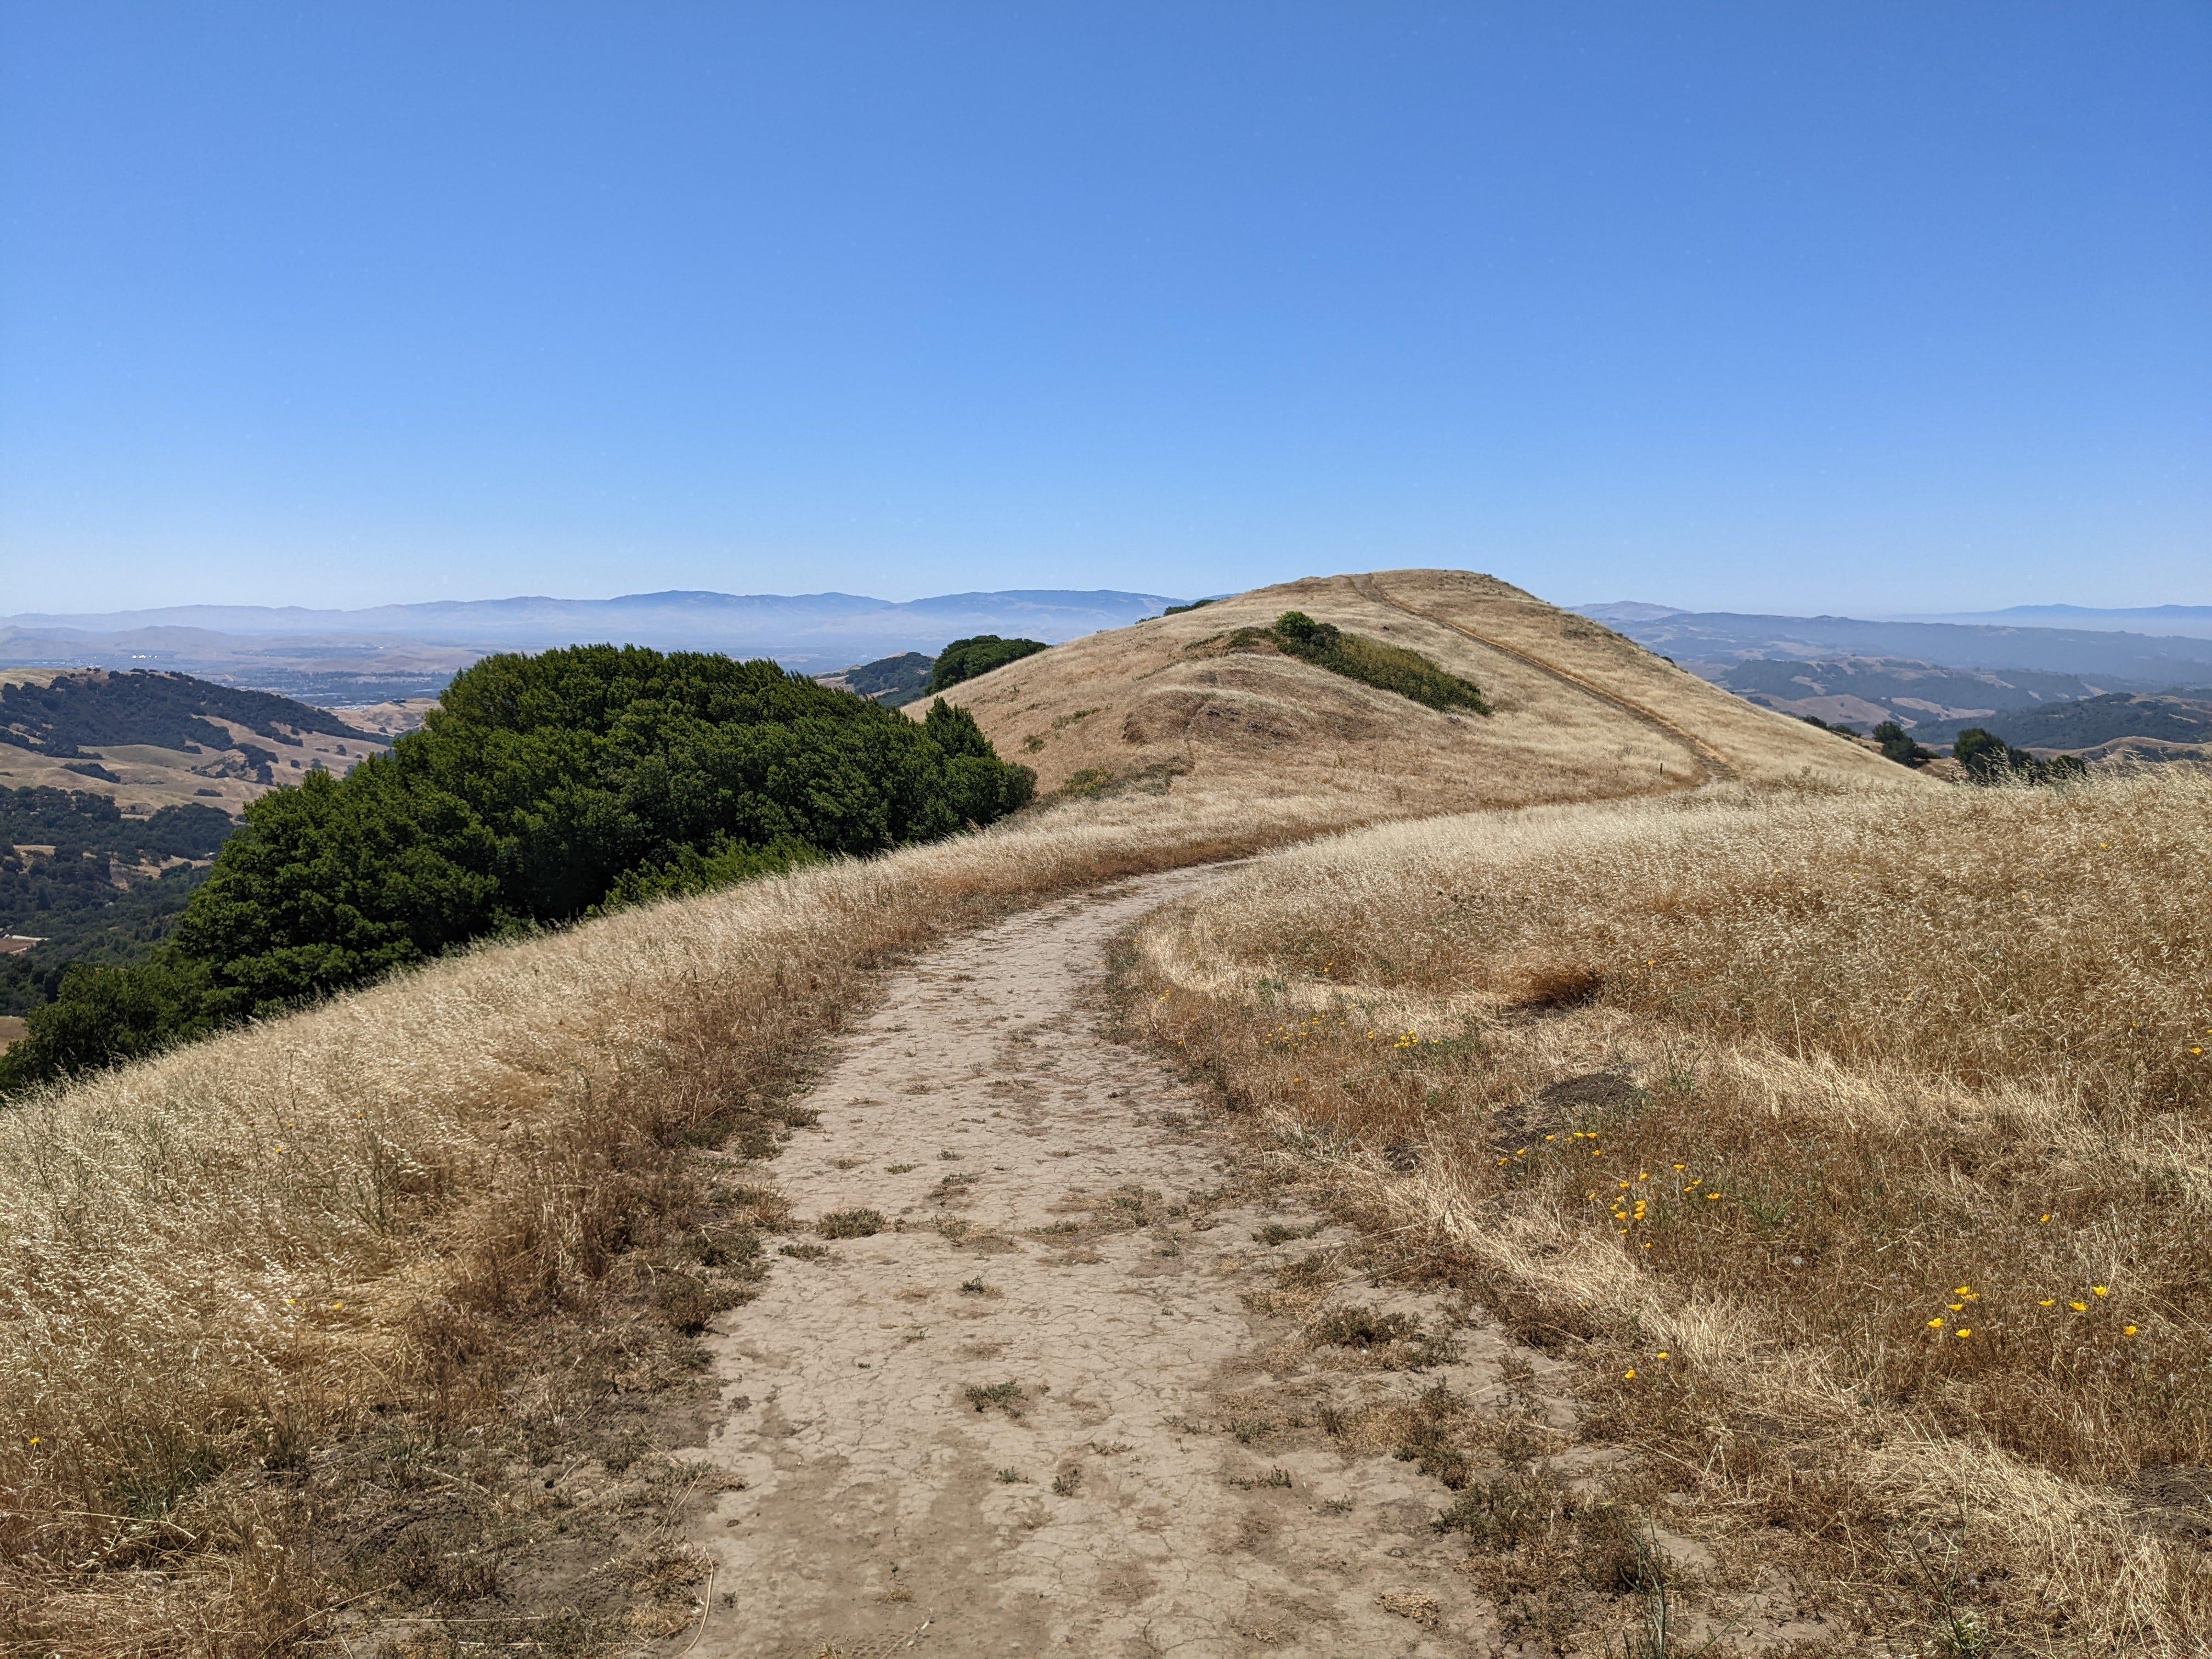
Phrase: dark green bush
(541,789)
(1387,667)
(964,659)
(1989,758)
(1897,745)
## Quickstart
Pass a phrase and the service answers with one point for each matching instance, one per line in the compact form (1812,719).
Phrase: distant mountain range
(2191,619)
(2110,657)
(400,650)
(679,615)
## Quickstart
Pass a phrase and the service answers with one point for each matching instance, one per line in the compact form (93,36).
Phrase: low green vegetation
(1989,758)
(540,790)
(964,659)
(1897,745)
(1371,662)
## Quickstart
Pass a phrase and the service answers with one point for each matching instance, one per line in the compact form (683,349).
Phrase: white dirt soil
(1035,1413)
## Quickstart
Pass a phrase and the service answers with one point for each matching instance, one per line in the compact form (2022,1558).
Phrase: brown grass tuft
(1553,986)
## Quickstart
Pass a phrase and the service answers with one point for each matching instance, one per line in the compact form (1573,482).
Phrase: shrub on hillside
(964,659)
(1897,745)
(541,788)
(1989,758)
(1386,667)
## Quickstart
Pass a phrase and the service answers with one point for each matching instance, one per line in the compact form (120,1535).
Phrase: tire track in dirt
(1711,765)
(1066,1401)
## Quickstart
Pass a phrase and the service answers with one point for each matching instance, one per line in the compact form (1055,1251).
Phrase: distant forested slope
(2093,720)
(541,789)
(93,708)
(894,680)
(87,883)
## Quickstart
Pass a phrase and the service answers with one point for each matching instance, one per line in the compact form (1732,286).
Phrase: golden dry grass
(1162,705)
(223,1266)
(409,1241)
(1857,1145)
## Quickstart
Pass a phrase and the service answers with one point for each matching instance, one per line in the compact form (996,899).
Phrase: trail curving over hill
(1713,767)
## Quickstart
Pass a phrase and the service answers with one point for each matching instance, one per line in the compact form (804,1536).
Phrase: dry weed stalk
(1856,1143)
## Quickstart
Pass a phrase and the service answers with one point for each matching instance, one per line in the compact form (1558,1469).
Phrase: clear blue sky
(1774,306)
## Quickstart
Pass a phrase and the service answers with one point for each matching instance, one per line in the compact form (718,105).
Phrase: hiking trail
(1034,1414)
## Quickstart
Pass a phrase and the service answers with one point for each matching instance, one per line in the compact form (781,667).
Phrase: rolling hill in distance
(1193,702)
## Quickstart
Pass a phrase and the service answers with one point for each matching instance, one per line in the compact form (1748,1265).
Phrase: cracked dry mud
(1152,1483)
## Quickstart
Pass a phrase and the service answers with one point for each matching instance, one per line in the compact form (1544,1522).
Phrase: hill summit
(1211,699)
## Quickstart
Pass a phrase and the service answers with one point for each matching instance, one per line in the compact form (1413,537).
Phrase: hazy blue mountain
(2112,659)
(398,650)
(2192,620)
(677,616)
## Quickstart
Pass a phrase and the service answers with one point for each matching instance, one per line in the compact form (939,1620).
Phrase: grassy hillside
(350,1307)
(1173,704)
(1849,1146)
(148,740)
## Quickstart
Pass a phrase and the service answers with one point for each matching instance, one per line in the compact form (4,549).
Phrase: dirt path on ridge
(1035,1415)
(1710,762)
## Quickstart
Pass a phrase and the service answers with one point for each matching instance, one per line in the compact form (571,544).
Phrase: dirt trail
(1055,1221)
(1710,762)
